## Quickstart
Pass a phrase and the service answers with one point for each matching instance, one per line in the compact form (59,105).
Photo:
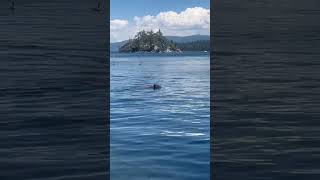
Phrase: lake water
(266,86)
(160,134)
(53,107)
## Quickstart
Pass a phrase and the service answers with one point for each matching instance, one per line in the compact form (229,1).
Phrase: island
(149,41)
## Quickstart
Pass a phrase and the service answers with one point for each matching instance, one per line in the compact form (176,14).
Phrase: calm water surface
(160,134)
(53,69)
(266,86)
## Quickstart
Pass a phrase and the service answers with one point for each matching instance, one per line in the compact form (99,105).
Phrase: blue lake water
(160,134)
(53,115)
(266,90)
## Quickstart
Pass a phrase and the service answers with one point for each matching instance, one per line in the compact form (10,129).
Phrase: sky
(173,17)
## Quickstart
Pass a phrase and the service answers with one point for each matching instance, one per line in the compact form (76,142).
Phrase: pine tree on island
(149,41)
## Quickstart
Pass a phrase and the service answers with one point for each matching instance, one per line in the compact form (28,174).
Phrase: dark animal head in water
(156,86)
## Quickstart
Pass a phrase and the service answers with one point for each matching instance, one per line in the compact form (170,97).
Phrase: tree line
(149,41)
(200,45)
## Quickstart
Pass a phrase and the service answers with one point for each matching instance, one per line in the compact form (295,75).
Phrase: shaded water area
(53,107)
(266,86)
(160,134)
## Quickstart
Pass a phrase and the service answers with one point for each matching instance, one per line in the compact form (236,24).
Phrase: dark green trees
(149,41)
(200,45)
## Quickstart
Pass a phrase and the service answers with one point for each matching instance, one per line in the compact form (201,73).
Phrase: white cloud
(190,19)
(117,24)
(188,22)
(118,30)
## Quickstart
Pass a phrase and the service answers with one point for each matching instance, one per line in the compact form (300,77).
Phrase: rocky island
(149,41)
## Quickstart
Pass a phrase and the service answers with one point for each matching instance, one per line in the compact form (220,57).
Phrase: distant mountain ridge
(177,39)
(184,39)
(115,46)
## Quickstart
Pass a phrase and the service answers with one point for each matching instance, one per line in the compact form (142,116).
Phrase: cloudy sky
(173,17)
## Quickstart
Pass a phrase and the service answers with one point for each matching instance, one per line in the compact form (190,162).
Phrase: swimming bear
(154,86)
